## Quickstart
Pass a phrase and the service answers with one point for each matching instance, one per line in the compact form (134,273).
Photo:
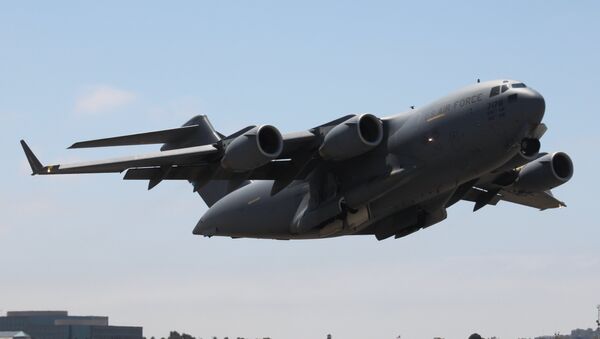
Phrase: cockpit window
(519,85)
(495,91)
(504,88)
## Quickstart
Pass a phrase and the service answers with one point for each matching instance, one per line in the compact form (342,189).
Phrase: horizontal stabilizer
(173,135)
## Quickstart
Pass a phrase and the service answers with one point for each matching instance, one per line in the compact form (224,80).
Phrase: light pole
(598,323)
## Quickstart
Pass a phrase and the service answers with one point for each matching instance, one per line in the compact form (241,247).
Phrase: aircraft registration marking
(496,109)
(253,200)
(441,115)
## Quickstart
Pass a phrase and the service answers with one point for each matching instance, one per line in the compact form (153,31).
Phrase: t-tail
(204,133)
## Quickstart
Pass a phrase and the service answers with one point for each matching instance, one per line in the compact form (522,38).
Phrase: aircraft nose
(533,105)
(207,225)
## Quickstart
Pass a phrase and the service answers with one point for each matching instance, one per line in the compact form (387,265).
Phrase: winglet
(36,165)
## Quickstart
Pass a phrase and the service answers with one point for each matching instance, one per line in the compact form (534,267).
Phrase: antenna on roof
(598,321)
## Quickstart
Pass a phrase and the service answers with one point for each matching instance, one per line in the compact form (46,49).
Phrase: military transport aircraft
(358,174)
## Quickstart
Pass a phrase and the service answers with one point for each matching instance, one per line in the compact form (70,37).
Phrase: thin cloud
(100,99)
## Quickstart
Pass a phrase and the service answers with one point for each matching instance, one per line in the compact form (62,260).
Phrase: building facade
(14,335)
(60,325)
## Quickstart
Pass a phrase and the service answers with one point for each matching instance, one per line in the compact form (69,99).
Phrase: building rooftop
(60,318)
(37,313)
(13,334)
(82,320)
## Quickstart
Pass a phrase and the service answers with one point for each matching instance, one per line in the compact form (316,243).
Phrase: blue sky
(94,244)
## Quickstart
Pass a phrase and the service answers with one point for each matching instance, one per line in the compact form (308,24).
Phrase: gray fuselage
(425,155)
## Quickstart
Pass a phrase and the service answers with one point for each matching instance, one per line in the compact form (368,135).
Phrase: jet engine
(352,137)
(252,149)
(544,173)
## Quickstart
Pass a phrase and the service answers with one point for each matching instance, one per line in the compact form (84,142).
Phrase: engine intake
(545,173)
(253,149)
(352,137)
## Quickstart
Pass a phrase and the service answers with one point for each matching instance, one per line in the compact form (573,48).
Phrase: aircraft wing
(182,156)
(192,162)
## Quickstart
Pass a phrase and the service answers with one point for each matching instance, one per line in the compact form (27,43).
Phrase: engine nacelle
(252,149)
(352,137)
(545,173)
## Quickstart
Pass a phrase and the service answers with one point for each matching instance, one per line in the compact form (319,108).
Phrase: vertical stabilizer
(212,190)
(204,134)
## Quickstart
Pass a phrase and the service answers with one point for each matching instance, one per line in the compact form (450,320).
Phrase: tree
(176,335)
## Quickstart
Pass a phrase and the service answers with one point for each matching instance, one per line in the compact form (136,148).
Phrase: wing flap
(272,171)
(175,173)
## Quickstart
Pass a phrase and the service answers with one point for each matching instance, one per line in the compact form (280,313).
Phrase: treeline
(176,335)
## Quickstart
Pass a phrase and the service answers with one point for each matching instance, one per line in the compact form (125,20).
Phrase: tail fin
(212,190)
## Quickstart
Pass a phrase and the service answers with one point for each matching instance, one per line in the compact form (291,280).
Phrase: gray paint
(331,181)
